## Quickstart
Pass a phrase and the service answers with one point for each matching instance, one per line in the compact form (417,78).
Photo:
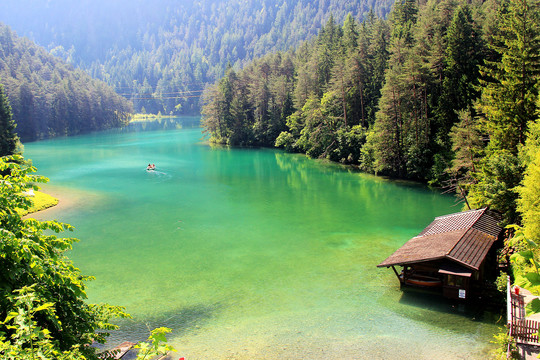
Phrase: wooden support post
(395,271)
(509,314)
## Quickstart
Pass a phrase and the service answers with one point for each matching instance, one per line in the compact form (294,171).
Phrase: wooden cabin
(449,255)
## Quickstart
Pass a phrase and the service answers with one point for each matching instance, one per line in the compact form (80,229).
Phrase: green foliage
(486,151)
(368,159)
(525,265)
(499,174)
(42,294)
(349,142)
(403,18)
(388,139)
(529,191)
(504,343)
(528,152)
(533,307)
(28,339)
(285,140)
(316,137)
(155,345)
(501,282)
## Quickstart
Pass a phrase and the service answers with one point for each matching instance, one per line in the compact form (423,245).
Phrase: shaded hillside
(49,98)
(160,54)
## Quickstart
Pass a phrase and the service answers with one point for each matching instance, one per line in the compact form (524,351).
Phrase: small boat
(421,280)
(151,167)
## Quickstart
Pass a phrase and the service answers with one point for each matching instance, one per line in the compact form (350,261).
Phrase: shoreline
(68,198)
(40,201)
(63,202)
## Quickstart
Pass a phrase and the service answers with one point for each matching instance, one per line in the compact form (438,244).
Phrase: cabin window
(457,281)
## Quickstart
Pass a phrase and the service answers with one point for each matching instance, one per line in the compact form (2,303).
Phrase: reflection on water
(166,123)
(251,253)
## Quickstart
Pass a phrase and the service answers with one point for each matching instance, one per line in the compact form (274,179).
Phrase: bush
(285,140)
(506,345)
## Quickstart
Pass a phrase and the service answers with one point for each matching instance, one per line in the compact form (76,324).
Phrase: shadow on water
(446,313)
(181,321)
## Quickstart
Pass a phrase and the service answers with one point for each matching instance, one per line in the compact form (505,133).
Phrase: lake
(250,253)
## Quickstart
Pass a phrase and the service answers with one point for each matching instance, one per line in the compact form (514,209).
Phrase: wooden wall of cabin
(456,287)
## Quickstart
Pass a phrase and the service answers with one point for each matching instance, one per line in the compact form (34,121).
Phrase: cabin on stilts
(451,256)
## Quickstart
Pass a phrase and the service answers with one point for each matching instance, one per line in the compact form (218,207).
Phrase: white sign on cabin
(462,293)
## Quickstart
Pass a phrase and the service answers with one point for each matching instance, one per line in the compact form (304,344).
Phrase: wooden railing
(525,331)
(522,329)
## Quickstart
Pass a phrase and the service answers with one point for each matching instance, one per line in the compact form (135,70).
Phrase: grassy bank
(41,201)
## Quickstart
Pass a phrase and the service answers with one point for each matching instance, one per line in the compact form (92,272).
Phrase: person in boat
(151,167)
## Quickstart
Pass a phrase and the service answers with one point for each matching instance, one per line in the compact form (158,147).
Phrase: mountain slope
(161,54)
(50,98)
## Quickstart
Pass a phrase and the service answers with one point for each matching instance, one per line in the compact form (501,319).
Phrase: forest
(161,54)
(442,91)
(49,97)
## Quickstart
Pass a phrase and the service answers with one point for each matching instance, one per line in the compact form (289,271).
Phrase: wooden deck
(118,352)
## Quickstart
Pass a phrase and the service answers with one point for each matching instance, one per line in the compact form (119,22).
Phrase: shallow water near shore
(251,253)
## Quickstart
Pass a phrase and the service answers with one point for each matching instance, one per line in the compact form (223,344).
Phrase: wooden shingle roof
(464,238)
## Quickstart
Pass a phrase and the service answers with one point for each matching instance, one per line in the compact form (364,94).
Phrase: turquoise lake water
(249,253)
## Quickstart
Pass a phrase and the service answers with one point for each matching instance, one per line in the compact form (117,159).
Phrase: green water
(250,254)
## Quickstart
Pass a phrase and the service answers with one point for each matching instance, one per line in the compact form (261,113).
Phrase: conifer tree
(467,144)
(392,120)
(403,18)
(8,138)
(328,43)
(509,88)
(463,55)
(377,34)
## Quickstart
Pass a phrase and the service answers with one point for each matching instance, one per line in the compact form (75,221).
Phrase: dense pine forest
(160,54)
(442,91)
(49,97)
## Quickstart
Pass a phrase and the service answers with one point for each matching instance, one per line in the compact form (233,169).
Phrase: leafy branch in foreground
(43,312)
(155,345)
(526,266)
(28,340)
